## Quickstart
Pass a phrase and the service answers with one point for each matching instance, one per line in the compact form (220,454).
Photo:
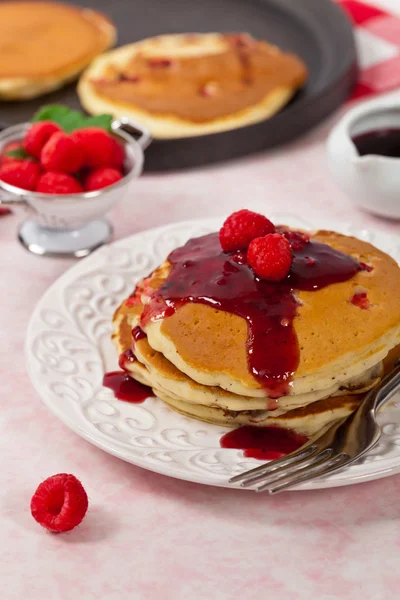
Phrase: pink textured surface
(146,536)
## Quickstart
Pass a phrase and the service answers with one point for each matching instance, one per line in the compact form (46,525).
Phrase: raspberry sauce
(264,443)
(203,273)
(385,142)
(360,299)
(126,357)
(138,334)
(126,388)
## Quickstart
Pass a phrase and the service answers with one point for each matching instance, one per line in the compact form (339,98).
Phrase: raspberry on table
(37,136)
(59,503)
(58,183)
(270,257)
(23,174)
(62,153)
(100,149)
(101,178)
(241,227)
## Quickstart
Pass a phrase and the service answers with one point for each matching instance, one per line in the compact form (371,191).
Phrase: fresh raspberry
(118,156)
(270,257)
(4,210)
(23,174)
(58,183)
(99,147)
(37,136)
(242,227)
(59,503)
(62,153)
(101,178)
(5,159)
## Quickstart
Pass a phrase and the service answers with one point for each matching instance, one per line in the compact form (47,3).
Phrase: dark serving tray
(316,30)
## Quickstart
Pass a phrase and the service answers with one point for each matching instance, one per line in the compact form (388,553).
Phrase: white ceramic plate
(68,350)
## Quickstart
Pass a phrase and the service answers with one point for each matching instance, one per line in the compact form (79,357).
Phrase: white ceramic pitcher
(371,181)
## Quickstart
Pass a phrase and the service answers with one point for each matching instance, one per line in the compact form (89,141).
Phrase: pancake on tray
(192,84)
(219,344)
(45,44)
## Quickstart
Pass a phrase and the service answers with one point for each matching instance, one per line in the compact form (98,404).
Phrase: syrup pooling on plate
(126,388)
(203,273)
(121,383)
(264,443)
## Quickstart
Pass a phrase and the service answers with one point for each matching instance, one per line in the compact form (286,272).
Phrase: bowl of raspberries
(68,170)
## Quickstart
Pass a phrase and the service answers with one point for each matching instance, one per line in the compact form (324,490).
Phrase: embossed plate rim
(144,456)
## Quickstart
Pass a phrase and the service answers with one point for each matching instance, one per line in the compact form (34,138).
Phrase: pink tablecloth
(150,537)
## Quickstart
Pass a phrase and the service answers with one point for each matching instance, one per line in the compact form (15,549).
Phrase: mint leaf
(103,121)
(18,153)
(70,120)
(73,120)
(52,112)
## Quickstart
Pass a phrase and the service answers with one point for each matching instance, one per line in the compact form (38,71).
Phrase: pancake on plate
(44,44)
(218,344)
(192,84)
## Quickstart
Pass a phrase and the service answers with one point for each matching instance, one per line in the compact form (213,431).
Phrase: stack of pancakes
(196,358)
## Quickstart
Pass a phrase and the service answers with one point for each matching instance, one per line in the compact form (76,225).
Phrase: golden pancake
(44,44)
(305,420)
(192,84)
(309,420)
(337,340)
(163,375)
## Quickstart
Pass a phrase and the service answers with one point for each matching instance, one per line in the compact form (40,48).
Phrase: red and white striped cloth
(377,34)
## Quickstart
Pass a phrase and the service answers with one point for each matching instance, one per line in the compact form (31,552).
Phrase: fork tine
(274,464)
(322,468)
(293,470)
(284,470)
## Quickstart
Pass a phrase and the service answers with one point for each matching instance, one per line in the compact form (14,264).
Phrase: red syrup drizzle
(125,357)
(203,273)
(138,334)
(126,388)
(366,267)
(360,299)
(264,443)
(121,383)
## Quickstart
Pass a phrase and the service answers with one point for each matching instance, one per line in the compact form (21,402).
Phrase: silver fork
(346,441)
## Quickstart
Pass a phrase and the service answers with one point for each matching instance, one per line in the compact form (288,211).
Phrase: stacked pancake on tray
(197,356)
(192,84)
(45,44)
